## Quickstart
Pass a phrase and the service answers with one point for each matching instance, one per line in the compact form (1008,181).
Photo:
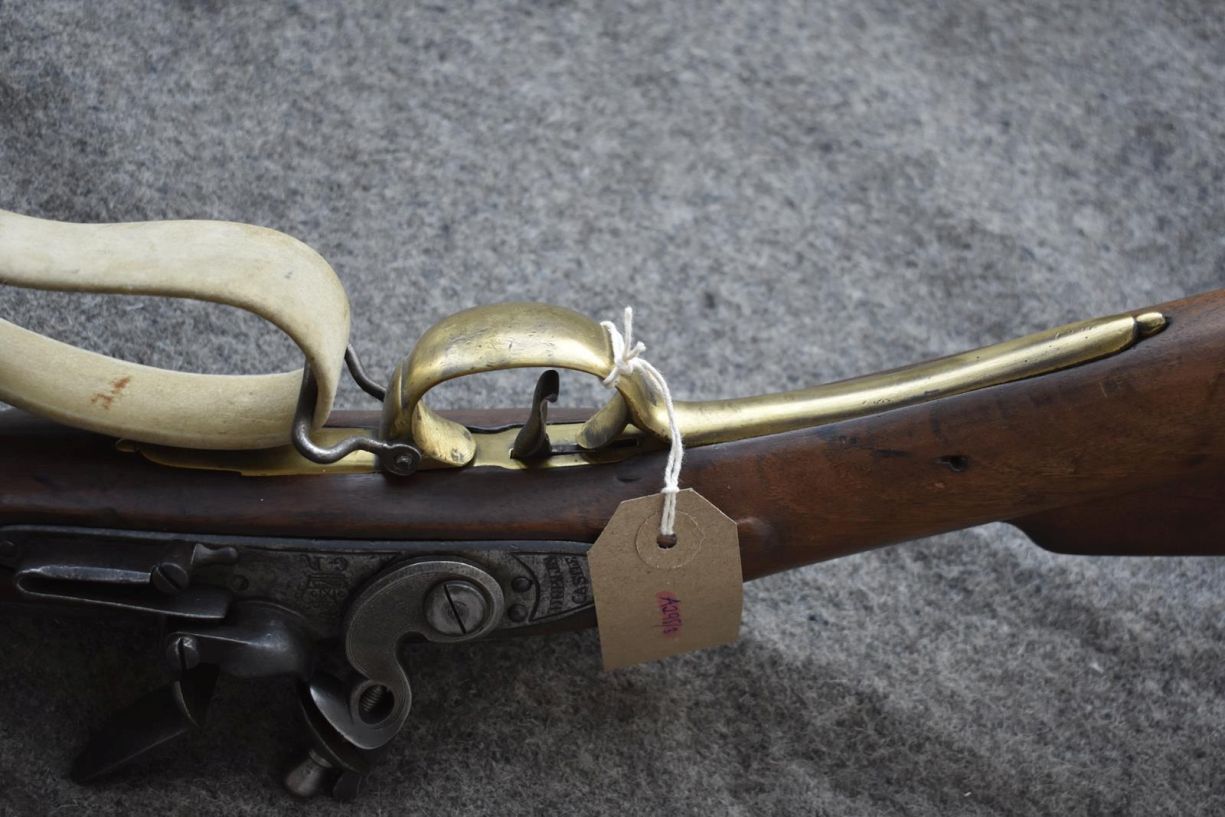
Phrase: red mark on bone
(105,399)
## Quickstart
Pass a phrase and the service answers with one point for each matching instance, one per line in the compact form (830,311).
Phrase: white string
(627,359)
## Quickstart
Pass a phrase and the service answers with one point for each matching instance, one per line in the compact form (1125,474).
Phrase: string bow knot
(627,360)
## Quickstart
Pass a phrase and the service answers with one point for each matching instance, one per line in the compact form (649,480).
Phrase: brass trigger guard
(517,335)
(510,336)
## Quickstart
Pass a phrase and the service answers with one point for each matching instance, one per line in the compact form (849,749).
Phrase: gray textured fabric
(788,193)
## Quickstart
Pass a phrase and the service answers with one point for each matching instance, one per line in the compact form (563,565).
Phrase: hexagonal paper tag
(653,600)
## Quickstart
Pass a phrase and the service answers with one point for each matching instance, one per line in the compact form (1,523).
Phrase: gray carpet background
(788,193)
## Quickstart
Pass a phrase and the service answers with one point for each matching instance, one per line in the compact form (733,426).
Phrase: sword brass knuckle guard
(509,336)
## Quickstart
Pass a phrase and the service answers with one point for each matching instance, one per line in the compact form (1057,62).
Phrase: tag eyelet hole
(666,541)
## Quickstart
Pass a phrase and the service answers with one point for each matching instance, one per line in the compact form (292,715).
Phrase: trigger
(532,441)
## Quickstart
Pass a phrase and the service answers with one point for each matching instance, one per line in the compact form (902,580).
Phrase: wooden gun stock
(268,575)
(1123,455)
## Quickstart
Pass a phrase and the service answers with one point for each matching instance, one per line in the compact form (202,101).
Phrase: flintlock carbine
(272,538)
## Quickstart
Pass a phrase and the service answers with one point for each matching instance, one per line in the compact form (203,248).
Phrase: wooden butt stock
(1122,455)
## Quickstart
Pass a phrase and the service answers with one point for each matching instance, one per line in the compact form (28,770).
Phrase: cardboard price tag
(654,601)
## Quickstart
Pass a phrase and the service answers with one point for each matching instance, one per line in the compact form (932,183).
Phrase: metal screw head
(456,608)
(401,459)
(170,578)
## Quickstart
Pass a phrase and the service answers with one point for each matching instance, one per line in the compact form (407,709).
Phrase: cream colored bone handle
(260,270)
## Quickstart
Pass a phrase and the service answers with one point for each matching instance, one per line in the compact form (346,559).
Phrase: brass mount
(530,335)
